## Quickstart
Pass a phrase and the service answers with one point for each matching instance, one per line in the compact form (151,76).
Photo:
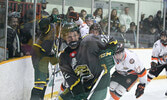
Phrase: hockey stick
(54,67)
(95,85)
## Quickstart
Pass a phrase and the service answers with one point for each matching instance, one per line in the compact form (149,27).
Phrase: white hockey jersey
(131,65)
(159,53)
(83,27)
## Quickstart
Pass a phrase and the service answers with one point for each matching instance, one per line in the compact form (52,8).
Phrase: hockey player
(42,54)
(128,69)
(159,57)
(81,66)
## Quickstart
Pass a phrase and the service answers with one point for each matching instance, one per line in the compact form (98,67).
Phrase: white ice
(155,90)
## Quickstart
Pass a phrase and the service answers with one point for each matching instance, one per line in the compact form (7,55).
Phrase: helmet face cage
(97,27)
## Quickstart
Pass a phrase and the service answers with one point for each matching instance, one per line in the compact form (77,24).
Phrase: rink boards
(17,77)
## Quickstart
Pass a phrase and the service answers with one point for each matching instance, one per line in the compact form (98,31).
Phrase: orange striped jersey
(131,65)
(159,53)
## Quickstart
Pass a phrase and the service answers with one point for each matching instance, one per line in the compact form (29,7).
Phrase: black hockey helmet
(119,48)
(97,27)
(163,34)
(119,54)
(70,27)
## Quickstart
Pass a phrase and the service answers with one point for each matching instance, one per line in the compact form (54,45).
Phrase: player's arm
(75,86)
(154,57)
(142,75)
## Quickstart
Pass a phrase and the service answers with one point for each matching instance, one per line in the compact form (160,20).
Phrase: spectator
(70,9)
(43,12)
(122,31)
(158,21)
(26,32)
(132,30)
(83,14)
(55,11)
(148,23)
(13,42)
(142,17)
(98,14)
(141,29)
(114,21)
(125,19)
(103,24)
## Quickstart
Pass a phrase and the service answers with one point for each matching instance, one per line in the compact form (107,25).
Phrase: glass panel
(100,14)
(20,27)
(120,22)
(151,22)
(2,28)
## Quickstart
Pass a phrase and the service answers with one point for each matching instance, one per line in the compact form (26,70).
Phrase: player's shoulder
(157,44)
(131,56)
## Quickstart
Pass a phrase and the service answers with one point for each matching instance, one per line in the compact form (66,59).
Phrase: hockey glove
(154,66)
(74,16)
(106,58)
(139,90)
(55,18)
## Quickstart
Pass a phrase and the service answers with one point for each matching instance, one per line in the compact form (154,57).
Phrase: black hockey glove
(154,66)
(139,90)
(74,16)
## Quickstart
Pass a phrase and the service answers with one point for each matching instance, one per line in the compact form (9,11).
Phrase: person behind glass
(115,23)
(148,23)
(98,14)
(44,14)
(158,21)
(132,28)
(70,9)
(125,19)
(26,32)
(13,41)
(128,68)
(55,11)
(83,14)
(103,24)
(122,32)
(158,57)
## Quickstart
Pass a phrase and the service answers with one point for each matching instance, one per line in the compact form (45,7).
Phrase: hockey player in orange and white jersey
(159,57)
(83,27)
(128,69)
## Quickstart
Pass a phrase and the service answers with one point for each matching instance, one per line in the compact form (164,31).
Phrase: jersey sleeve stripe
(76,82)
(144,71)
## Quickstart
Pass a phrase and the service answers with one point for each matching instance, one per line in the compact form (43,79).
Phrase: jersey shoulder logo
(131,61)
